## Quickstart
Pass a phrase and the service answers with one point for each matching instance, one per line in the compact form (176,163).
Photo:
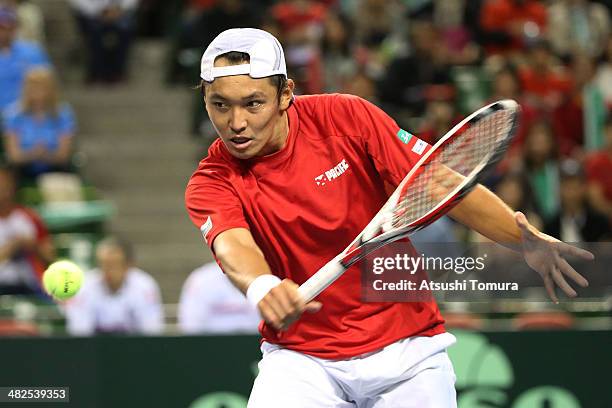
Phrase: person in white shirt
(210,304)
(116,297)
(25,245)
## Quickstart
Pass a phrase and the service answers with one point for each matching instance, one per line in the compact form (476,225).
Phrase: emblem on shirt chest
(332,174)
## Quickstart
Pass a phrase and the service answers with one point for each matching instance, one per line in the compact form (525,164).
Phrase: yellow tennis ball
(63,279)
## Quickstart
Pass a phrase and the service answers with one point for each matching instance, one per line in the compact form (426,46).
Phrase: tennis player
(288,184)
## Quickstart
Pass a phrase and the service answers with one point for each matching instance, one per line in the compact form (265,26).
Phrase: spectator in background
(361,84)
(510,25)
(543,80)
(339,62)
(17,57)
(576,221)
(198,25)
(39,129)
(408,80)
(380,32)
(449,16)
(541,168)
(300,24)
(506,85)
(117,297)
(31,24)
(578,26)
(108,27)
(440,115)
(25,246)
(580,119)
(375,20)
(599,175)
(210,304)
(514,190)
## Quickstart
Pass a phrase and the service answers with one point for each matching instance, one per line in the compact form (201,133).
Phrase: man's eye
(219,105)
(254,104)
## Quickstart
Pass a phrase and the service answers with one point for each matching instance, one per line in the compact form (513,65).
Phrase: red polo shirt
(305,203)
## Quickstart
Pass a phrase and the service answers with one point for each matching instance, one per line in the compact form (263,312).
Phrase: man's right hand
(283,305)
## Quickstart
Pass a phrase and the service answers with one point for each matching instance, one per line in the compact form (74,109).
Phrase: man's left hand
(546,255)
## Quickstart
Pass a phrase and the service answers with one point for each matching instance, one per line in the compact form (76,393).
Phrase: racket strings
(448,166)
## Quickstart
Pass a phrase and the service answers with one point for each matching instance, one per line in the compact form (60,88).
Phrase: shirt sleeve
(212,203)
(148,310)
(42,232)
(393,150)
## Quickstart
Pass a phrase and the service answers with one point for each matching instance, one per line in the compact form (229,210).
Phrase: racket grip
(321,280)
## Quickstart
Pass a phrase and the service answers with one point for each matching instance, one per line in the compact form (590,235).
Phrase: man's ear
(287,95)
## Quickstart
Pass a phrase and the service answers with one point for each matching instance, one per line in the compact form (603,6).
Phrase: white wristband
(260,287)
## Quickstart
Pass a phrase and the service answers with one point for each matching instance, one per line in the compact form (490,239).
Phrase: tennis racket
(439,180)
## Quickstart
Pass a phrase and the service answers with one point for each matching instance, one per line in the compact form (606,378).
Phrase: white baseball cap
(265,52)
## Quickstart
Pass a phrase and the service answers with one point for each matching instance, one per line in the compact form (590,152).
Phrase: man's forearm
(241,261)
(487,214)
(244,267)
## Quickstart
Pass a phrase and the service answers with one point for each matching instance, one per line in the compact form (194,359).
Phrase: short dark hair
(124,246)
(236,58)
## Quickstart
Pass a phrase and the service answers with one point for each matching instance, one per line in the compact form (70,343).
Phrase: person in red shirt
(288,184)
(543,82)
(25,245)
(508,24)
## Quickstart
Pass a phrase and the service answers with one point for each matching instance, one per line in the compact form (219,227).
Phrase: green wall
(514,369)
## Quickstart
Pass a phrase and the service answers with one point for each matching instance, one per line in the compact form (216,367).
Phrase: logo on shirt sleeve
(419,147)
(404,136)
(205,228)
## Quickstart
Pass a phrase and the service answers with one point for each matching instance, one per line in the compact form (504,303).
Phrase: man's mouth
(241,142)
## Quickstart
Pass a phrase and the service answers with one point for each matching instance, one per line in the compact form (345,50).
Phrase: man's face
(505,84)
(572,191)
(113,264)
(40,95)
(246,114)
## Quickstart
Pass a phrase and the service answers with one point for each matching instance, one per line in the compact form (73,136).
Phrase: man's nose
(237,122)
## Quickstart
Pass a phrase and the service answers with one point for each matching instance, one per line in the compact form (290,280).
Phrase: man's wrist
(260,287)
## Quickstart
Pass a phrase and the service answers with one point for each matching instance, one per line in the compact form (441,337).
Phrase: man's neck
(281,134)
(114,287)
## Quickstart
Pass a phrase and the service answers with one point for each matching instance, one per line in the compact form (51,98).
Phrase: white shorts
(410,373)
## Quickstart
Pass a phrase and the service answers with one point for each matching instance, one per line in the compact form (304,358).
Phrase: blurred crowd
(427,63)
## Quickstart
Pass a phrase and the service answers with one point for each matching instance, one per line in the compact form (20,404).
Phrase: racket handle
(321,280)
